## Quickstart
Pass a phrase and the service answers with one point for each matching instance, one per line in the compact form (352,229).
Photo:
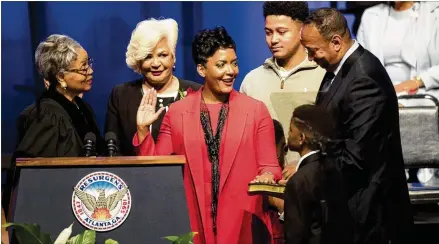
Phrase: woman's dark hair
(208,41)
(297,10)
(278,131)
(316,123)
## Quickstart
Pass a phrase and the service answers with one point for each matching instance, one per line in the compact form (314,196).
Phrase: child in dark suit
(315,208)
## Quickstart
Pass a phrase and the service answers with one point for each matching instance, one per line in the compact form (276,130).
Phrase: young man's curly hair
(296,10)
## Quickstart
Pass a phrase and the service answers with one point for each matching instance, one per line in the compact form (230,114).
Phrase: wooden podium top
(101,161)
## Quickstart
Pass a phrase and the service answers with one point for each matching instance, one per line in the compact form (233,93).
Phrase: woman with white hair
(55,126)
(150,53)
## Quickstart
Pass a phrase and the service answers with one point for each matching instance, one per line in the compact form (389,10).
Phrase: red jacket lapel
(236,120)
(193,137)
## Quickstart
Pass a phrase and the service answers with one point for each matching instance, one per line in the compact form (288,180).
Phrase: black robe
(122,112)
(56,127)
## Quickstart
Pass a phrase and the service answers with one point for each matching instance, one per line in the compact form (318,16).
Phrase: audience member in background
(358,93)
(228,140)
(357,8)
(289,69)
(151,53)
(278,203)
(316,208)
(56,125)
(404,36)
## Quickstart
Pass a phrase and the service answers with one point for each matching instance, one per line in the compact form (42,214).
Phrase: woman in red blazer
(228,140)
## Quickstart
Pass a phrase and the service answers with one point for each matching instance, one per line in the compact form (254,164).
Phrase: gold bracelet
(419,81)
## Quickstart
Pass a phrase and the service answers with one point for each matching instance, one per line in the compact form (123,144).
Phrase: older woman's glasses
(84,70)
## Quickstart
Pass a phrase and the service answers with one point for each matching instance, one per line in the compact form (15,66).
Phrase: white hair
(145,37)
(55,54)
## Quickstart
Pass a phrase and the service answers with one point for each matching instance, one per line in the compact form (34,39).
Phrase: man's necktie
(324,86)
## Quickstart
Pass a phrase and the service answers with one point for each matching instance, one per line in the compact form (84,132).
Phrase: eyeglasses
(84,70)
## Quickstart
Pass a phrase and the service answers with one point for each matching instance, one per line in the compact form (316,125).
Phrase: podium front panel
(158,201)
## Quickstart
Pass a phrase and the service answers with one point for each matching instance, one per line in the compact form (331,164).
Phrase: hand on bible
(146,114)
(266,178)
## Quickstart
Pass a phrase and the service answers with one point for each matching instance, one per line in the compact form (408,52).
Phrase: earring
(173,68)
(64,86)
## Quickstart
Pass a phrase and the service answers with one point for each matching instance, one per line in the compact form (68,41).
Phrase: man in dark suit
(358,92)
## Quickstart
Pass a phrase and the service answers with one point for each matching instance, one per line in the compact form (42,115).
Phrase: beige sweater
(283,95)
(261,82)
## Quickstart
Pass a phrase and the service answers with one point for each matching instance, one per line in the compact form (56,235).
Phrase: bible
(275,190)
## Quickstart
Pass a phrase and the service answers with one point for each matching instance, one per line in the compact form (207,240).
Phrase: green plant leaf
(88,237)
(30,234)
(171,238)
(111,241)
(187,238)
(183,239)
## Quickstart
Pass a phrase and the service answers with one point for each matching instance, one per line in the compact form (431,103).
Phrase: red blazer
(249,150)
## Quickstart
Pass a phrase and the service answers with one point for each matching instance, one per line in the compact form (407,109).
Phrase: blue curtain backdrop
(104,30)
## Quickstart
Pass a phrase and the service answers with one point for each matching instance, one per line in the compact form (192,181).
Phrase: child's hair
(316,123)
(278,131)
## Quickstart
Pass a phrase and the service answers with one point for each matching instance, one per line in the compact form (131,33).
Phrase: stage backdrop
(104,30)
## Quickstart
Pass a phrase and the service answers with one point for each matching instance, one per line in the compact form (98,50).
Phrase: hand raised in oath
(146,114)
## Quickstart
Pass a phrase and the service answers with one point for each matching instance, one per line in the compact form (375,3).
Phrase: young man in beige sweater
(288,71)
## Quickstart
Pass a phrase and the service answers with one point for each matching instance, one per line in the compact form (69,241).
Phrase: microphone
(111,139)
(89,144)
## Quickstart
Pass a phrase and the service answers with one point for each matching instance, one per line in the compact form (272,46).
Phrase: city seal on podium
(101,201)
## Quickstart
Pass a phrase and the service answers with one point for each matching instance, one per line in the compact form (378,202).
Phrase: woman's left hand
(409,86)
(266,178)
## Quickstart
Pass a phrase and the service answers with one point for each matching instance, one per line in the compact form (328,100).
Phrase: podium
(52,192)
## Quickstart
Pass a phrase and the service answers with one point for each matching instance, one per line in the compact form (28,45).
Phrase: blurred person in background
(404,36)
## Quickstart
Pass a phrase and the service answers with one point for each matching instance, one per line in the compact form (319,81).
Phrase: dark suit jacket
(122,112)
(364,104)
(316,208)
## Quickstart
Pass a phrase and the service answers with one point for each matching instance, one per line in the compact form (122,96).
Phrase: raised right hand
(146,114)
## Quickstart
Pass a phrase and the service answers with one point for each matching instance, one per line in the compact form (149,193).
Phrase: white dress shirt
(343,60)
(305,156)
(350,51)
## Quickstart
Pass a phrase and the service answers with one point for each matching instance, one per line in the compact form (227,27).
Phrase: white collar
(305,156)
(346,56)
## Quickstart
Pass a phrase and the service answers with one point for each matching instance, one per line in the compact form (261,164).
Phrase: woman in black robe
(55,126)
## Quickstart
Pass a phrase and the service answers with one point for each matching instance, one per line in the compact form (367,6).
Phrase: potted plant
(31,234)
